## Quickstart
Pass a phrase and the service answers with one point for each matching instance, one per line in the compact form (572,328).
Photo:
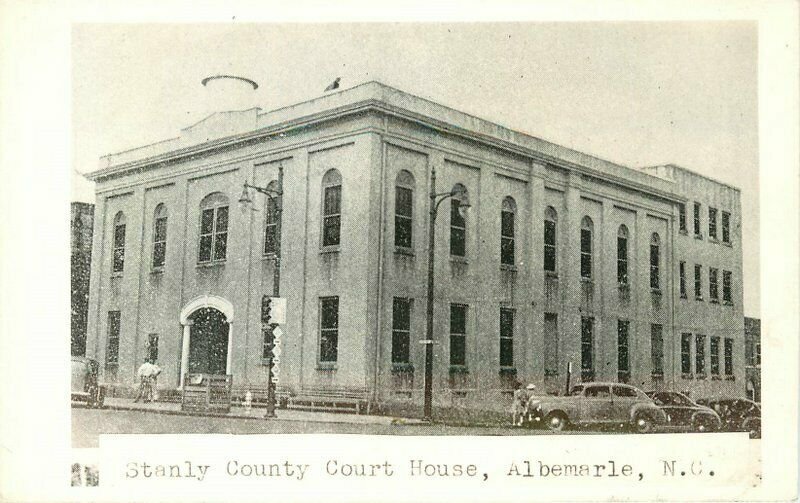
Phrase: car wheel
(703,425)
(643,424)
(754,428)
(556,421)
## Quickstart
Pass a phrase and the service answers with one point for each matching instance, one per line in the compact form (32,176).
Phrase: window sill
(699,299)
(727,303)
(508,267)
(458,369)
(685,232)
(326,366)
(698,236)
(587,280)
(687,376)
(209,265)
(714,301)
(402,368)
(157,270)
(329,249)
(455,259)
(730,378)
(700,376)
(713,240)
(116,274)
(551,275)
(716,378)
(508,371)
(684,296)
(269,256)
(402,250)
(728,244)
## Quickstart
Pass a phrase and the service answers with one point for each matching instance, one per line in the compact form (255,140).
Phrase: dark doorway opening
(208,347)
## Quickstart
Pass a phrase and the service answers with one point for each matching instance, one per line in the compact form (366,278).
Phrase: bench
(330,399)
(260,394)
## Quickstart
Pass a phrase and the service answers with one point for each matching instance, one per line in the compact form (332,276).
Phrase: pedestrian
(156,371)
(146,373)
(519,406)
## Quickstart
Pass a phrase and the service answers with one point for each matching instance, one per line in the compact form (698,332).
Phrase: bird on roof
(333,85)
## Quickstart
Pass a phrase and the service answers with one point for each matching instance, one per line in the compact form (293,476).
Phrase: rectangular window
(622,260)
(758,353)
(506,337)
(682,277)
(332,216)
(587,349)
(713,350)
(712,223)
(682,217)
(713,287)
(726,227)
(655,273)
(698,282)
(119,248)
(152,348)
(749,352)
(729,356)
(329,330)
(586,254)
(458,230)
(458,334)
(550,344)
(403,221)
(697,220)
(213,234)
(700,354)
(112,344)
(550,246)
(623,357)
(271,227)
(507,237)
(159,242)
(727,296)
(686,353)
(657,349)
(401,330)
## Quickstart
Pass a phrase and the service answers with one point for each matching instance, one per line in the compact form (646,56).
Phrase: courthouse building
(631,275)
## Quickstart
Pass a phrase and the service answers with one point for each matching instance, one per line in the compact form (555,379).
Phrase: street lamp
(246,203)
(459,192)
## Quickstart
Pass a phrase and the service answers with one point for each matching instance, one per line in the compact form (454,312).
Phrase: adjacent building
(81,224)
(752,354)
(631,275)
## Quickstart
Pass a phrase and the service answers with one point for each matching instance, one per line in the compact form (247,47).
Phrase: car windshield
(597,391)
(681,399)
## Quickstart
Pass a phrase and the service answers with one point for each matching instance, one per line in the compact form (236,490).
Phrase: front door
(208,345)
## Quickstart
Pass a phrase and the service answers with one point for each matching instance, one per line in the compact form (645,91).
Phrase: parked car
(683,412)
(737,414)
(598,403)
(85,385)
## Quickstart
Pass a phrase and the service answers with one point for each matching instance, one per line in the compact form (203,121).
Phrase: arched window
(550,219)
(331,208)
(622,255)
(655,258)
(587,229)
(404,209)
(118,262)
(213,228)
(271,217)
(507,217)
(159,236)
(458,224)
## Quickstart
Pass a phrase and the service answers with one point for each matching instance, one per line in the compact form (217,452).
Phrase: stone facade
(81,224)
(380,146)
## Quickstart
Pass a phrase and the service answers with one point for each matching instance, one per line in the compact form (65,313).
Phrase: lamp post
(460,193)
(275,196)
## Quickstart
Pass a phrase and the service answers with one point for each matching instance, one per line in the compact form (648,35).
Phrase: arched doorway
(208,346)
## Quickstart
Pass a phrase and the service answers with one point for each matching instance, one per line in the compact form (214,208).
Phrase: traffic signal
(266,308)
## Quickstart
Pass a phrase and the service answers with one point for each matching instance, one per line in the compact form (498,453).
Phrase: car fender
(568,408)
(707,413)
(655,413)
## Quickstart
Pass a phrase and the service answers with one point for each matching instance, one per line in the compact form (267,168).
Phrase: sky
(634,93)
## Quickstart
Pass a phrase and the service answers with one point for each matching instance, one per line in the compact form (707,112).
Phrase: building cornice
(535,150)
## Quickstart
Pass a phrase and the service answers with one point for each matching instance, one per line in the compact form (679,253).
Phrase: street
(87,424)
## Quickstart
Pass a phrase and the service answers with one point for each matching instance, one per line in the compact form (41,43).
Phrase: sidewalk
(238,412)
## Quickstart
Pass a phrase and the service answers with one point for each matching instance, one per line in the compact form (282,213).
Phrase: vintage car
(598,403)
(85,386)
(737,414)
(682,412)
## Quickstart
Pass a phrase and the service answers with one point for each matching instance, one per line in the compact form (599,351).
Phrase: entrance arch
(207,336)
